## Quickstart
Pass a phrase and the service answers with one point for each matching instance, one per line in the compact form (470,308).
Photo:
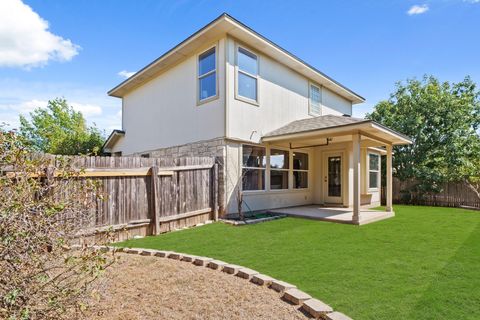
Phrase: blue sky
(365,45)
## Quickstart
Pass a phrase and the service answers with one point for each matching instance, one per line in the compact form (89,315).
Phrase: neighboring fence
(145,196)
(453,195)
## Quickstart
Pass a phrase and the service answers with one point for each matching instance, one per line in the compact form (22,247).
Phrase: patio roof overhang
(339,129)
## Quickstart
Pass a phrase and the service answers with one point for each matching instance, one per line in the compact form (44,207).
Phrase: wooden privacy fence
(453,195)
(145,196)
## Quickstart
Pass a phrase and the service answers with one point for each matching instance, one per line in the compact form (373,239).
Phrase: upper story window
(247,75)
(207,75)
(373,171)
(315,100)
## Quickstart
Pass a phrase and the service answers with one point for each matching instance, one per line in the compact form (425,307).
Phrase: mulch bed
(138,287)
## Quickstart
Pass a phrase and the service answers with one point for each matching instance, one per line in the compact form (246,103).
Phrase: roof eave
(398,138)
(113,134)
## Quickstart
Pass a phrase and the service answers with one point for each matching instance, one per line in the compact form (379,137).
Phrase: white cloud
(25,40)
(416,9)
(23,107)
(26,107)
(126,74)
(21,97)
(9,113)
(88,110)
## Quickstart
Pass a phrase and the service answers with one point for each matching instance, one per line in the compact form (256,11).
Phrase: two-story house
(281,129)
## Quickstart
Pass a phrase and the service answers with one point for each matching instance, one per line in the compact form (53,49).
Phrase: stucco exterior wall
(118,146)
(283,97)
(368,196)
(164,111)
(262,199)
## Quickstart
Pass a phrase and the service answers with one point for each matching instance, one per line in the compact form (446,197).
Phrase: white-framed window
(254,164)
(247,75)
(315,100)
(279,169)
(300,170)
(207,75)
(373,171)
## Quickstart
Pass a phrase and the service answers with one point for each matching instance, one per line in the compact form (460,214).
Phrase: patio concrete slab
(334,214)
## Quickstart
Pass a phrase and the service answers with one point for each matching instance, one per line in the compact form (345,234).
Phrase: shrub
(42,207)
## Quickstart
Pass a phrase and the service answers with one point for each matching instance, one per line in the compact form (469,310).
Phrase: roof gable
(221,26)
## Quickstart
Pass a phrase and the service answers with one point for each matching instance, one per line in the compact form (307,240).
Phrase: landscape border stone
(262,280)
(188,258)
(216,264)
(313,308)
(175,256)
(231,268)
(316,308)
(202,261)
(296,296)
(246,273)
(281,286)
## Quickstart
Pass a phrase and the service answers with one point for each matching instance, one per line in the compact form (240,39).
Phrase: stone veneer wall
(207,148)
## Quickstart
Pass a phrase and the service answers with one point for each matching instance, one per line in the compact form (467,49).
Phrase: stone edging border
(310,306)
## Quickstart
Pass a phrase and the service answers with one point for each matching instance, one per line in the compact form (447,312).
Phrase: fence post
(215,191)
(153,192)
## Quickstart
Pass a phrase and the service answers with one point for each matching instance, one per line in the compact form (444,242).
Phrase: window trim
(377,171)
(301,170)
(267,169)
(320,89)
(254,168)
(198,77)
(288,170)
(257,77)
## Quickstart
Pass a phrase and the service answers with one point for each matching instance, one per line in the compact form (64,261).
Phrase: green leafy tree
(58,129)
(443,120)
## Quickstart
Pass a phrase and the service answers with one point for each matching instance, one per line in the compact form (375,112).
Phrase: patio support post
(388,191)
(356,178)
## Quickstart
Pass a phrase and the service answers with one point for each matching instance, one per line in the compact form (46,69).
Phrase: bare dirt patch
(140,287)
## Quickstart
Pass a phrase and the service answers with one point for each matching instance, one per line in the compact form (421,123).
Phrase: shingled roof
(317,123)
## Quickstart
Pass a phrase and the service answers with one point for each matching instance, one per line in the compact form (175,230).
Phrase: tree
(58,129)
(443,120)
(41,215)
(468,171)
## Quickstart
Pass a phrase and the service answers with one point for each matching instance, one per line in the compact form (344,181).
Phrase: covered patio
(334,214)
(342,148)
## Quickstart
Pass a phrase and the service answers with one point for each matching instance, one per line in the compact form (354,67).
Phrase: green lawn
(422,264)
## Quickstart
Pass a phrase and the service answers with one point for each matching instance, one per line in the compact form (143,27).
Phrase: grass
(422,264)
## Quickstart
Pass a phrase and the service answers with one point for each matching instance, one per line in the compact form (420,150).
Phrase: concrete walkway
(334,214)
